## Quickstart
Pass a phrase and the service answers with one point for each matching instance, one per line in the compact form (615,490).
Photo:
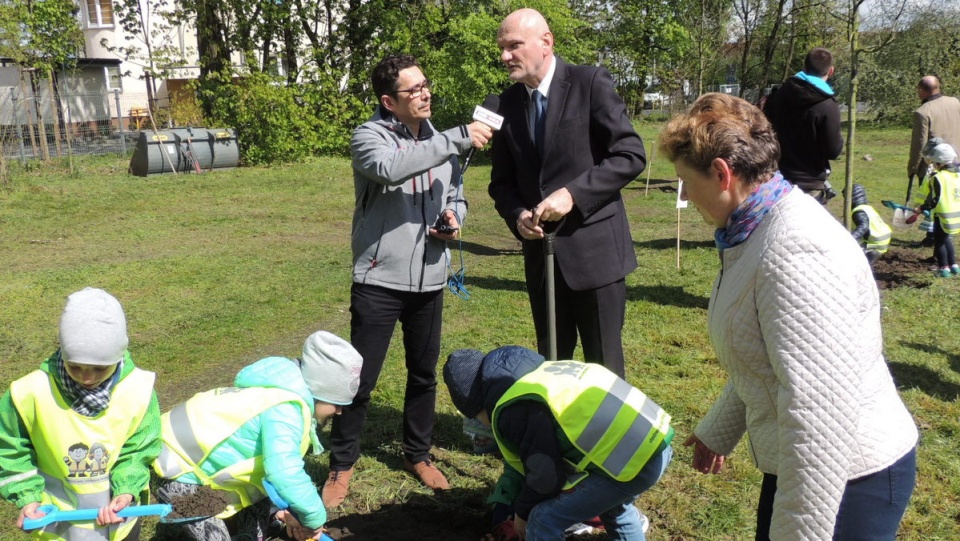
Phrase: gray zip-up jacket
(402,185)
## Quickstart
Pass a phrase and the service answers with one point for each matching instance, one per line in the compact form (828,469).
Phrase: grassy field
(218,270)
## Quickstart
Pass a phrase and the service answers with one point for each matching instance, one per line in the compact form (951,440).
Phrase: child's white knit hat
(331,368)
(93,328)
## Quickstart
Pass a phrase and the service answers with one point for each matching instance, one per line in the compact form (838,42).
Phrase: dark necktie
(539,119)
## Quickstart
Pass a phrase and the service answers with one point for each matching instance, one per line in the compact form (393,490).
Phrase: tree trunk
(771,45)
(55,110)
(41,128)
(211,39)
(854,37)
(26,109)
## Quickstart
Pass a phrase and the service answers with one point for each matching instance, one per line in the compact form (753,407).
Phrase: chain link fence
(48,125)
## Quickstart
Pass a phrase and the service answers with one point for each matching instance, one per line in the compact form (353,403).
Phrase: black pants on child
(943,249)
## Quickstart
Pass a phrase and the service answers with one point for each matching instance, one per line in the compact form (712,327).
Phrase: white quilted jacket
(795,321)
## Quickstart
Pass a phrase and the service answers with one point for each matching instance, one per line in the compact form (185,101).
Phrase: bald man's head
(526,46)
(928,86)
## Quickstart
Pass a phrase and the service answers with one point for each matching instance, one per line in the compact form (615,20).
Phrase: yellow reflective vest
(880,233)
(193,429)
(923,189)
(616,427)
(75,453)
(948,206)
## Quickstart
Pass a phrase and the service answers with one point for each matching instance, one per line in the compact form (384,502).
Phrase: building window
(114,78)
(100,12)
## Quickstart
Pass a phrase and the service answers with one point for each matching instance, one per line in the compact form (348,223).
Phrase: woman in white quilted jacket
(795,320)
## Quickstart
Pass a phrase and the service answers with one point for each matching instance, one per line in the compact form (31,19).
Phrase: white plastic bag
(900,219)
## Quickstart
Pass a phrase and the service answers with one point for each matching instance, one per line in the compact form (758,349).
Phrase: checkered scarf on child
(86,402)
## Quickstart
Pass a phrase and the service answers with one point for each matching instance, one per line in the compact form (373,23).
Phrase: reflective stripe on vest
(75,453)
(614,425)
(948,206)
(880,232)
(193,429)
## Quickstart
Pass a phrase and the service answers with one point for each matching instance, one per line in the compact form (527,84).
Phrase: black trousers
(374,313)
(943,249)
(596,315)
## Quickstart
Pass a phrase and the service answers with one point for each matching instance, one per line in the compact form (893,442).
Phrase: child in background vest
(256,431)
(943,202)
(548,416)
(870,228)
(88,396)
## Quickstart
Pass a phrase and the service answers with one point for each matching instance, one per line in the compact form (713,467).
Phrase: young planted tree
(884,21)
(151,35)
(50,39)
(706,22)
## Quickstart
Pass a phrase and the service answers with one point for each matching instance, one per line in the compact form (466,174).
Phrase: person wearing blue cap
(233,439)
(577,440)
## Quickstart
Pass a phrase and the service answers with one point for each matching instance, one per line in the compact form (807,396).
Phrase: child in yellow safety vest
(870,228)
(578,442)
(82,431)
(233,439)
(943,202)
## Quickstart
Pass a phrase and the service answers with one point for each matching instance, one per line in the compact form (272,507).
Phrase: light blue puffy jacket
(275,434)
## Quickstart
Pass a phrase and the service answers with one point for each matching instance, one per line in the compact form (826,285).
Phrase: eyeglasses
(417,91)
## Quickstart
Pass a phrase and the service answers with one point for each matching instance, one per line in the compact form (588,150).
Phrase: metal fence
(48,126)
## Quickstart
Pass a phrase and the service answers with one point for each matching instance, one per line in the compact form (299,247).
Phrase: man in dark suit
(570,179)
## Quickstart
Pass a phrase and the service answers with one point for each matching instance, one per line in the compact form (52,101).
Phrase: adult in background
(937,116)
(566,163)
(577,441)
(236,439)
(407,181)
(806,117)
(795,320)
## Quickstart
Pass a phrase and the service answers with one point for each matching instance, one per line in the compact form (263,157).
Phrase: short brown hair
(726,127)
(387,72)
(818,62)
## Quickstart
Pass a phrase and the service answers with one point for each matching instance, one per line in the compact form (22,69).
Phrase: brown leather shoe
(336,488)
(428,474)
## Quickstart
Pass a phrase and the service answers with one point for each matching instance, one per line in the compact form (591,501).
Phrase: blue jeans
(598,495)
(871,506)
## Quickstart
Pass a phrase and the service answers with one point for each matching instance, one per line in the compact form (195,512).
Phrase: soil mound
(901,267)
(205,502)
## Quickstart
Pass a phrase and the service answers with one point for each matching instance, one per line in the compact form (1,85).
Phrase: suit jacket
(939,116)
(590,148)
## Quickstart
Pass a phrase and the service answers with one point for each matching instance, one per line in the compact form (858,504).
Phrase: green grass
(218,270)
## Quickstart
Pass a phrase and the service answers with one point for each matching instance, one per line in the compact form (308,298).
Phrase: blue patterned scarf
(86,402)
(751,212)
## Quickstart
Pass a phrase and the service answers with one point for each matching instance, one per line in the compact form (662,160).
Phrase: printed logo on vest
(566,368)
(88,461)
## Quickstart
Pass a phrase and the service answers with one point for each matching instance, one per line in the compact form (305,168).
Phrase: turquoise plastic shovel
(54,514)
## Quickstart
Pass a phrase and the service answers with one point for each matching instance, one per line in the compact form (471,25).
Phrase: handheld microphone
(486,113)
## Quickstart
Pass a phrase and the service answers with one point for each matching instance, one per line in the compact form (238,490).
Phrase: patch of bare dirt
(903,267)
(444,517)
(205,502)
